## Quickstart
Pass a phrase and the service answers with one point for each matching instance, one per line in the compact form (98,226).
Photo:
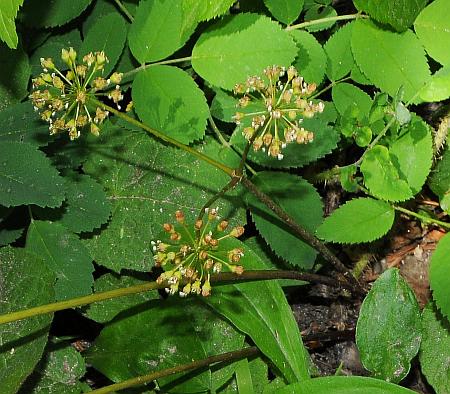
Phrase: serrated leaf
(339,54)
(311,58)
(14,75)
(206,10)
(8,235)
(359,220)
(382,177)
(223,106)
(55,13)
(239,46)
(265,315)
(65,256)
(300,200)
(25,282)
(440,178)
(102,8)
(107,34)
(388,332)
(105,311)
(438,87)
(286,11)
(158,30)
(400,14)
(8,12)
(186,330)
(344,385)
(317,12)
(167,99)
(348,98)
(390,60)
(439,279)
(26,177)
(435,349)
(146,183)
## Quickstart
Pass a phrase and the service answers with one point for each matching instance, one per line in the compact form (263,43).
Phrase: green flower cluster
(63,99)
(272,109)
(189,255)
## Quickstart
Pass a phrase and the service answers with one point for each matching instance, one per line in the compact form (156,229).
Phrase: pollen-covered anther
(167,227)
(175,236)
(179,216)
(237,231)
(222,225)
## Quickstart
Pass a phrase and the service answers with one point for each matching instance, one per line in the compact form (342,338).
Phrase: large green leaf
(339,54)
(438,87)
(359,220)
(388,332)
(158,29)
(55,13)
(349,99)
(65,255)
(239,46)
(300,200)
(435,349)
(344,385)
(26,177)
(432,26)
(167,99)
(146,183)
(260,309)
(390,60)
(439,278)
(8,12)
(107,34)
(206,10)
(25,281)
(440,180)
(164,334)
(286,11)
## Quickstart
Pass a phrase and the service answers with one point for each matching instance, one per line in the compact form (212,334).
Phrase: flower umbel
(191,253)
(271,109)
(64,97)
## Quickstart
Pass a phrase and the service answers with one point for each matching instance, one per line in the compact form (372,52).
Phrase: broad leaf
(318,12)
(65,256)
(388,332)
(239,46)
(8,12)
(359,220)
(349,99)
(286,11)
(26,177)
(435,349)
(223,106)
(260,310)
(206,10)
(167,99)
(300,200)
(439,278)
(390,60)
(438,87)
(25,282)
(432,26)
(440,179)
(339,54)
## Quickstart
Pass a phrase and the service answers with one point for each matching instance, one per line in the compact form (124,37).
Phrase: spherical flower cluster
(190,254)
(272,108)
(64,98)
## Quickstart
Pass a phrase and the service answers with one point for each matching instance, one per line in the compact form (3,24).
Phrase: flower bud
(116,78)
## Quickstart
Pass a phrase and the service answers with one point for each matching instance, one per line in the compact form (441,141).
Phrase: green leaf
(317,12)
(438,87)
(146,183)
(108,34)
(382,177)
(26,177)
(359,220)
(388,332)
(400,14)
(184,330)
(65,255)
(300,200)
(251,377)
(14,75)
(104,311)
(311,59)
(206,10)
(158,30)
(167,99)
(349,99)
(440,178)
(8,236)
(223,106)
(55,13)
(286,11)
(339,54)
(435,349)
(344,385)
(295,155)
(26,282)
(239,46)
(390,60)
(433,29)
(8,12)
(264,314)
(439,279)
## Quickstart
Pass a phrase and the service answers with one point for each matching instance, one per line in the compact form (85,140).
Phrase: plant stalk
(325,20)
(422,218)
(124,10)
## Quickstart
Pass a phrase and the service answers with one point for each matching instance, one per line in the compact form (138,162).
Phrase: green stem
(158,134)
(422,218)
(216,130)
(224,358)
(325,20)
(124,10)
(332,84)
(145,66)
